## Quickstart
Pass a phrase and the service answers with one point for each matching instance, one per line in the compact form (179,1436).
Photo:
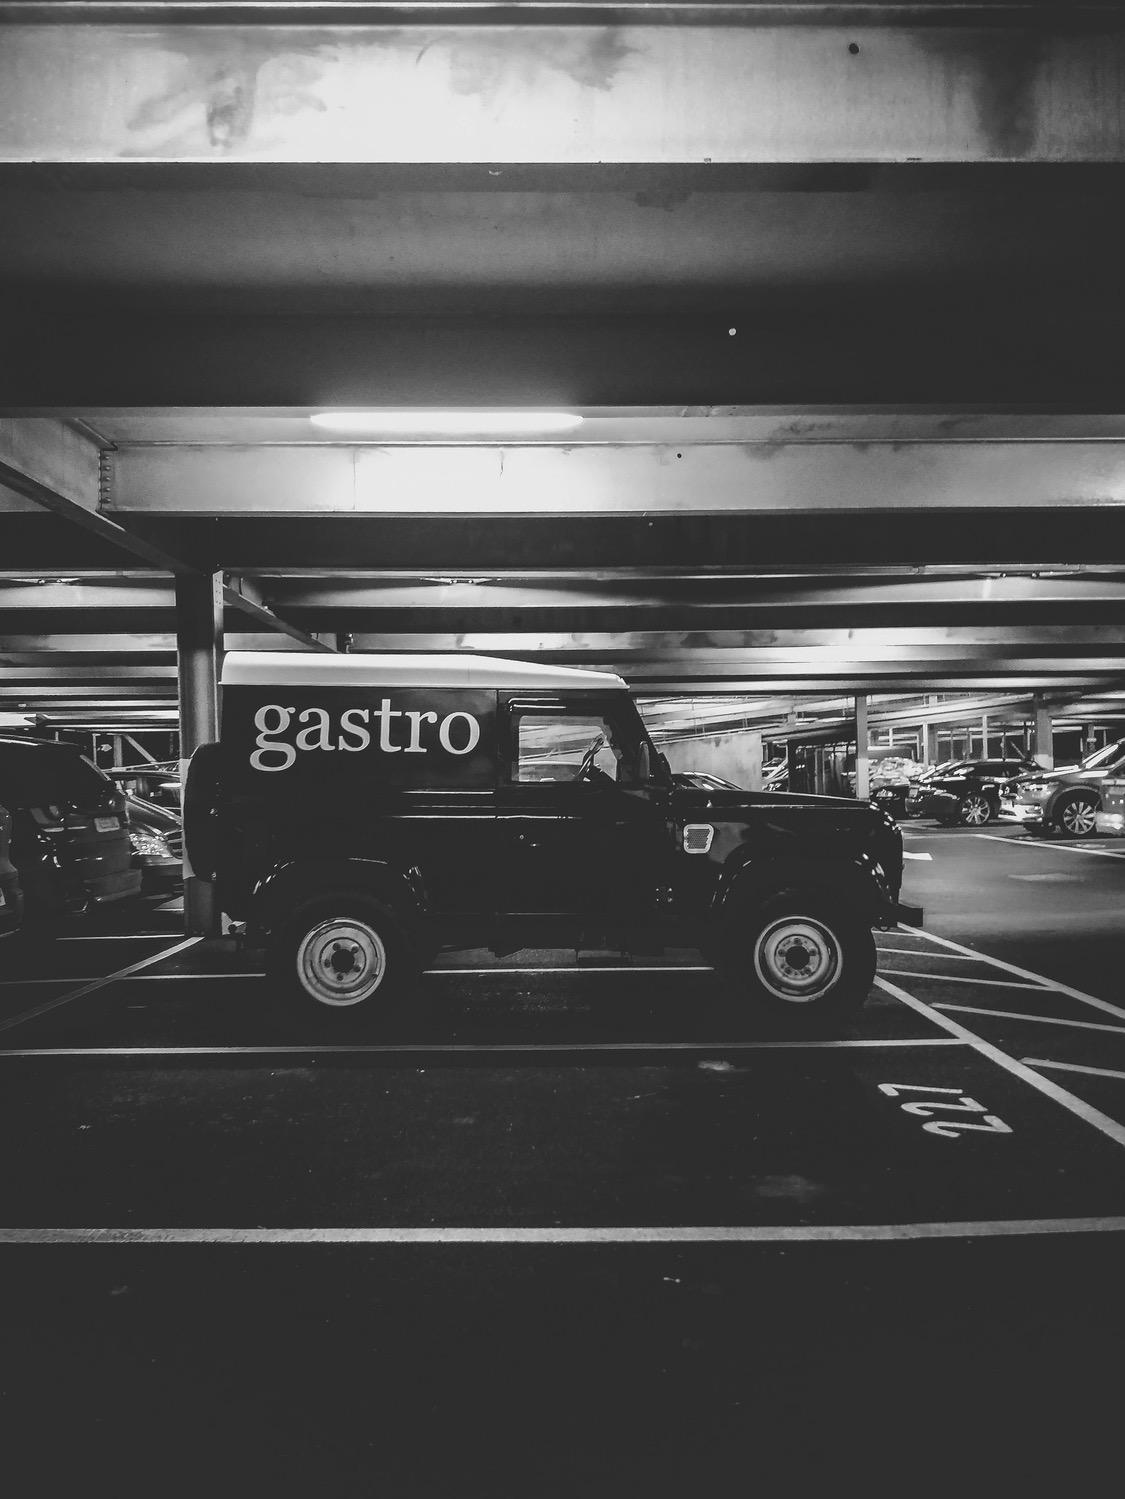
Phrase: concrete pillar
(862,767)
(1042,747)
(199,646)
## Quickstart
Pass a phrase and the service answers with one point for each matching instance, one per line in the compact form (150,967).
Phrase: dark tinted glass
(42,774)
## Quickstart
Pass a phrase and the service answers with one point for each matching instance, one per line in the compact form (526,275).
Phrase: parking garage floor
(575,1226)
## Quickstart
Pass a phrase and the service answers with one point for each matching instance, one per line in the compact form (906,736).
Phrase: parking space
(307,1234)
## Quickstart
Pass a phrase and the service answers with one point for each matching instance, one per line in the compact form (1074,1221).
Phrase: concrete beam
(572,95)
(764,477)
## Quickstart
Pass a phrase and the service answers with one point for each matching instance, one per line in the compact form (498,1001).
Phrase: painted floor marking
(959,978)
(1025,973)
(19,983)
(625,1234)
(90,986)
(1081,1025)
(1047,845)
(124,937)
(464,1049)
(907,854)
(1107,1126)
(920,952)
(1074,1067)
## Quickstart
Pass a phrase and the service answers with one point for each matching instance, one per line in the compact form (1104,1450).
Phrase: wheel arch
(291,883)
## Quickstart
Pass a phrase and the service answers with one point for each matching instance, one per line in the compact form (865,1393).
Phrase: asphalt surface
(573,1228)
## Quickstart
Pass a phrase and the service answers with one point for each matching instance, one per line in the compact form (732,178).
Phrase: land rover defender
(361,811)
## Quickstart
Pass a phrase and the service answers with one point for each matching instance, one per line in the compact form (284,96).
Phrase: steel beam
(573,95)
(244,596)
(539,479)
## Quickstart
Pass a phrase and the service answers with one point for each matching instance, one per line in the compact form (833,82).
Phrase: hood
(1062,773)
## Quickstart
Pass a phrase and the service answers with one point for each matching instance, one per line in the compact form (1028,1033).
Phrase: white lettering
(351,722)
(416,722)
(266,746)
(318,734)
(384,714)
(474,733)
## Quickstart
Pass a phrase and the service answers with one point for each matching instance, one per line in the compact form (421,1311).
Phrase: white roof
(325,669)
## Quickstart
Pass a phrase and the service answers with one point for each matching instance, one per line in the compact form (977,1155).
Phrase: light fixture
(436,423)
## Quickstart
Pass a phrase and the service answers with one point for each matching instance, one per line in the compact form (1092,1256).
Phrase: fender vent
(698,837)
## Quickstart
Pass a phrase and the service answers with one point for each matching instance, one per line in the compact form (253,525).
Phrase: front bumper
(1030,814)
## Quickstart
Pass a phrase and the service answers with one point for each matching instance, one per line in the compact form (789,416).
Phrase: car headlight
(145,841)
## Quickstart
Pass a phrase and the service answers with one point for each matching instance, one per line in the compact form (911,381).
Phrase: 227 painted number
(959,1103)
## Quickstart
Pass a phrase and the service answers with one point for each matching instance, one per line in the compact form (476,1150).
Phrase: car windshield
(1105,756)
(42,774)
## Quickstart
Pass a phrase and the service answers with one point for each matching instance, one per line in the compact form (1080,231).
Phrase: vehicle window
(46,774)
(1105,756)
(552,746)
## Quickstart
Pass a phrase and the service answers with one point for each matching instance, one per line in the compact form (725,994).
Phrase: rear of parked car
(69,835)
(11,894)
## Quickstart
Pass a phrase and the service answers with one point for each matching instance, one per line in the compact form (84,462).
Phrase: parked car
(891,781)
(11,894)
(157,839)
(361,811)
(1111,817)
(968,792)
(69,839)
(702,780)
(1068,799)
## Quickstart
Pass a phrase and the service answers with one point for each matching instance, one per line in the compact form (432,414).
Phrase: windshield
(43,774)
(1105,756)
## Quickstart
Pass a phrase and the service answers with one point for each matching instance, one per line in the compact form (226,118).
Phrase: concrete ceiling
(836,288)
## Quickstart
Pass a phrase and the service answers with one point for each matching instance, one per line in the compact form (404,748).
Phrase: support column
(1042,747)
(199,646)
(862,767)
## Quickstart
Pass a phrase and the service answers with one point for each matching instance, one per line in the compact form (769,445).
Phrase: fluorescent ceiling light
(445,423)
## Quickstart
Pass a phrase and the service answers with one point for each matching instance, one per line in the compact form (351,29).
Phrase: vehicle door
(582,831)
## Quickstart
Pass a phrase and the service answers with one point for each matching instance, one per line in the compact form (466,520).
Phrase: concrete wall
(735,754)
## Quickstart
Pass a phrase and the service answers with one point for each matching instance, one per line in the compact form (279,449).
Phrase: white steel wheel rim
(341,962)
(797,959)
(976,811)
(1078,817)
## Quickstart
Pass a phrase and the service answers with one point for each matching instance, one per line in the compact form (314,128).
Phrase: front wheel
(1076,816)
(976,810)
(801,960)
(345,954)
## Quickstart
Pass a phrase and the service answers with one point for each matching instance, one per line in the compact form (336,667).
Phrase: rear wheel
(976,810)
(345,953)
(802,960)
(1076,815)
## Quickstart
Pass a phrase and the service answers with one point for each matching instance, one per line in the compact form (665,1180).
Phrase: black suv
(361,811)
(967,793)
(70,839)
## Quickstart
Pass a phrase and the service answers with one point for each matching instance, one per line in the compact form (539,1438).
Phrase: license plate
(107,824)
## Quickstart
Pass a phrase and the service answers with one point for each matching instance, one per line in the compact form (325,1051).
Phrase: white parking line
(1023,973)
(1109,1127)
(1066,848)
(1073,1067)
(461,1049)
(920,952)
(124,937)
(623,1234)
(957,978)
(89,987)
(1080,1025)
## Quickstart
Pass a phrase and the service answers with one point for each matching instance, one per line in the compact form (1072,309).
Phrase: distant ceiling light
(445,423)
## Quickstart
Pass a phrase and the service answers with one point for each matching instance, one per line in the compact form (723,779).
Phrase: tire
(345,953)
(976,810)
(1075,815)
(801,959)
